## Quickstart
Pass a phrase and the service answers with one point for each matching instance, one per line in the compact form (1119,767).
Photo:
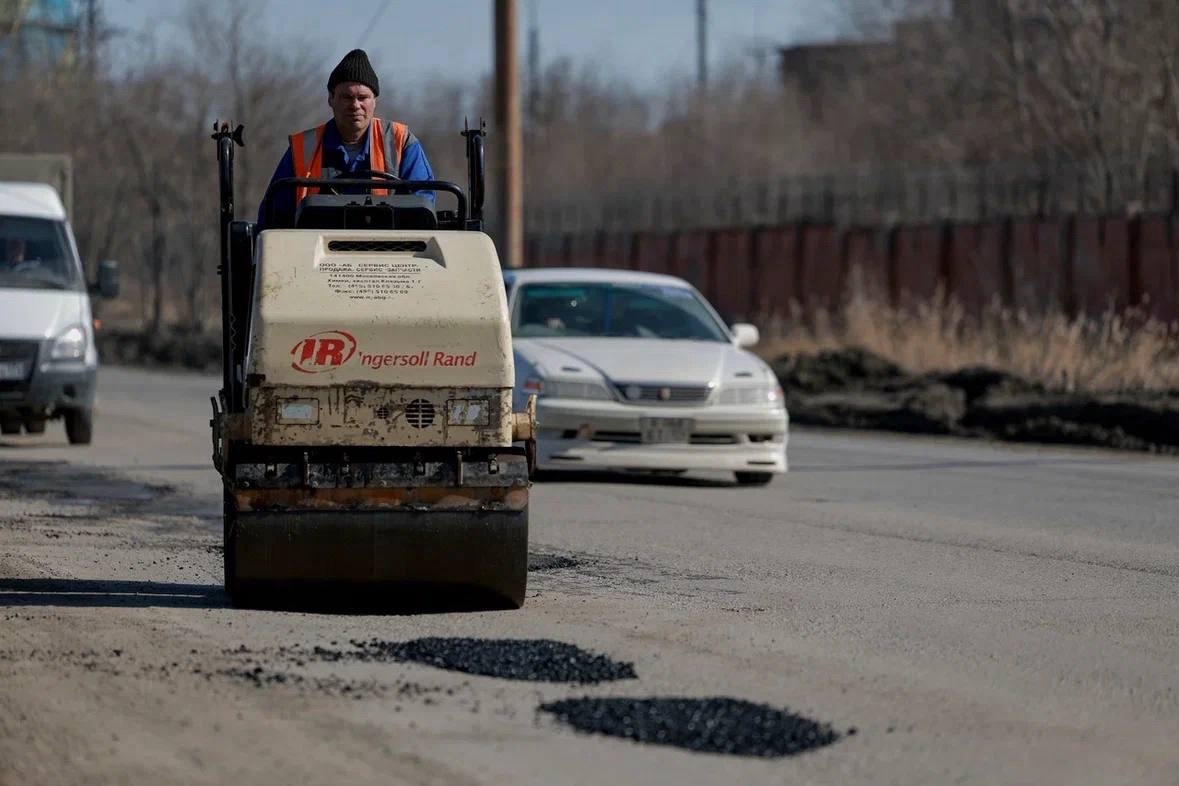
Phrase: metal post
(509,137)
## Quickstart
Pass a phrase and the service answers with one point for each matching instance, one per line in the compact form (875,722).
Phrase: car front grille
(21,351)
(626,437)
(18,350)
(634,438)
(671,395)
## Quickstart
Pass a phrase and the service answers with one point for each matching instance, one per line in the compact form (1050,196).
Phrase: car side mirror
(108,279)
(746,335)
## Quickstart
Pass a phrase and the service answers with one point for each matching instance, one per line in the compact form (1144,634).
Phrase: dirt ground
(855,389)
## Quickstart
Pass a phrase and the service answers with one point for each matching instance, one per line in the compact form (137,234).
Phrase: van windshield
(35,254)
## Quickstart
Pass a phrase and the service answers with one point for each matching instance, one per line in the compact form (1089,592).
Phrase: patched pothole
(707,725)
(531,660)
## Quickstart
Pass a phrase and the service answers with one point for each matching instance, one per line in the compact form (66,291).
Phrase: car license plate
(13,370)
(655,430)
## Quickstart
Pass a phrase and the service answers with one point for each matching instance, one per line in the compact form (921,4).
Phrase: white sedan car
(636,371)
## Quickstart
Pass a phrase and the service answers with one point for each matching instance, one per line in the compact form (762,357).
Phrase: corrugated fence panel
(1051,273)
(1088,282)
(1157,268)
(822,273)
(548,251)
(689,258)
(582,250)
(732,273)
(975,267)
(614,250)
(1085,263)
(1115,260)
(778,269)
(652,251)
(867,260)
(1038,277)
(917,262)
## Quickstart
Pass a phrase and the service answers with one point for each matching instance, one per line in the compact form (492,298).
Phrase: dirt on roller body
(855,389)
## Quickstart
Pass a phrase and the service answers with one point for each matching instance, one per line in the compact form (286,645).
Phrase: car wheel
(79,425)
(754,478)
(35,425)
(9,426)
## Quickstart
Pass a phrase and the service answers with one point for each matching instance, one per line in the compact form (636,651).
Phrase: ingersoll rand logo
(323,351)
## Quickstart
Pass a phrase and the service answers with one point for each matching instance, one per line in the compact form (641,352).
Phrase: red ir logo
(323,351)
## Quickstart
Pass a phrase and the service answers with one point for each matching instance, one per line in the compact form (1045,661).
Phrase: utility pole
(509,161)
(702,44)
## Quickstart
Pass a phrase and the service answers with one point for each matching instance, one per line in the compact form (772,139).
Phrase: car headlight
(70,345)
(554,388)
(754,395)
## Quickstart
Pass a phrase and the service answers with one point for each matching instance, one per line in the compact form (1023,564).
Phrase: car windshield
(35,254)
(613,310)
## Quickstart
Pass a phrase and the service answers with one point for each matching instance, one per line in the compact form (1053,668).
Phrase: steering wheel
(363,173)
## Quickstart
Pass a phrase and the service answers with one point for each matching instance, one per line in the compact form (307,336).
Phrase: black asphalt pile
(855,389)
(546,562)
(530,660)
(710,725)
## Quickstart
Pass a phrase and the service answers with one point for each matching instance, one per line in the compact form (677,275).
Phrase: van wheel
(79,424)
(754,478)
(9,426)
(35,425)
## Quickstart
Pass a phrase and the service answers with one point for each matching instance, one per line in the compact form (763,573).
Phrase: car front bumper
(578,434)
(49,389)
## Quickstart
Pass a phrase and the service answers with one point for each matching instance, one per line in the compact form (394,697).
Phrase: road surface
(911,610)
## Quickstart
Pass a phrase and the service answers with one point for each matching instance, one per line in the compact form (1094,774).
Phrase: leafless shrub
(1116,351)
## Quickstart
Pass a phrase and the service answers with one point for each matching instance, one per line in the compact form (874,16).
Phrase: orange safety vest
(385,143)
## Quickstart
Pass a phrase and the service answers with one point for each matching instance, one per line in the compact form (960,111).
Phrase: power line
(368,29)
(702,43)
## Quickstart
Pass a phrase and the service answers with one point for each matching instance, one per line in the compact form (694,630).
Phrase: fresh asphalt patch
(708,725)
(529,660)
(104,493)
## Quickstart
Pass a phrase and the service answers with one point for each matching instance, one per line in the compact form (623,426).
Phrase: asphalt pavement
(895,610)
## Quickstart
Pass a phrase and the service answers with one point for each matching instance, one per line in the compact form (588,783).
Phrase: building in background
(43,32)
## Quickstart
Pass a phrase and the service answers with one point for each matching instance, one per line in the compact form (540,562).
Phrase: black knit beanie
(355,67)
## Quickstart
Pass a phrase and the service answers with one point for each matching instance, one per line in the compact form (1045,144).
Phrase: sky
(643,42)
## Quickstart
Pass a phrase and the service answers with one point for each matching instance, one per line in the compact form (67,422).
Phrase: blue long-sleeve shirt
(414,166)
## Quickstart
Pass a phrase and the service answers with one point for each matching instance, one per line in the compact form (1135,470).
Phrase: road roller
(364,431)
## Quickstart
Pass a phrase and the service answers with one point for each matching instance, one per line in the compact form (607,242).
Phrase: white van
(48,361)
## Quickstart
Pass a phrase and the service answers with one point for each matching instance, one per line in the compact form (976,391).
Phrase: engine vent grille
(419,413)
(377,246)
(381,412)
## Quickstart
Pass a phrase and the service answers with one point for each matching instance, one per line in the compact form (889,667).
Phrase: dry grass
(1116,352)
